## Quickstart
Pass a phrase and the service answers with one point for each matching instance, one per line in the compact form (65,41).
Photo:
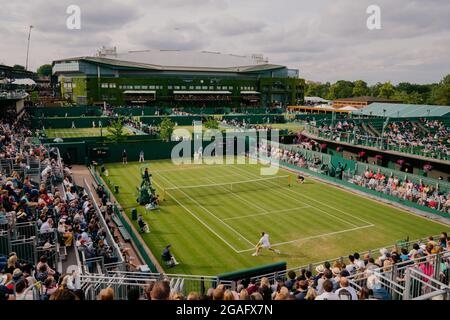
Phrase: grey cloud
(228,25)
(326,40)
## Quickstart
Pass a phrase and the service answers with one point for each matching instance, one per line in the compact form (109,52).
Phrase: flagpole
(28,46)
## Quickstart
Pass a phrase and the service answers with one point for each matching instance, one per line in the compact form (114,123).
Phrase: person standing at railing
(124,157)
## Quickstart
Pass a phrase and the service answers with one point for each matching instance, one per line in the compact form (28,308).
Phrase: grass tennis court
(213,229)
(79,132)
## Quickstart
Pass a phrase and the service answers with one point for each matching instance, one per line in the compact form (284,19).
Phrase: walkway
(82,172)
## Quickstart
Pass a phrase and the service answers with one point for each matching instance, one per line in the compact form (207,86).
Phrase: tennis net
(196,191)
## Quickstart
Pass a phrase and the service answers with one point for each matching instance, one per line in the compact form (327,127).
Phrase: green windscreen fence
(65,111)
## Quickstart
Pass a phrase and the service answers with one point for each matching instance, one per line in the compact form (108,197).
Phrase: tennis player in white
(264,243)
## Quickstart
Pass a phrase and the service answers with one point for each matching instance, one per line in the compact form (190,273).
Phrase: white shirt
(265,240)
(360,264)
(328,296)
(351,290)
(45,227)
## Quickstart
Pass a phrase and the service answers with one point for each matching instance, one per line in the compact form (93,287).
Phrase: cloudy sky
(326,40)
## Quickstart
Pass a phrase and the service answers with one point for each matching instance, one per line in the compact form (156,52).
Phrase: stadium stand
(427,137)
(425,192)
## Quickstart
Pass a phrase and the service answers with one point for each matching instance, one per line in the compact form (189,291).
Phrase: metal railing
(122,282)
(377,142)
(373,253)
(109,238)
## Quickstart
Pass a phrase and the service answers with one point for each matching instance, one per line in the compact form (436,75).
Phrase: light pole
(28,46)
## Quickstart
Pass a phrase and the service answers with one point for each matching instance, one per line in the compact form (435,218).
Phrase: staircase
(421,127)
(369,130)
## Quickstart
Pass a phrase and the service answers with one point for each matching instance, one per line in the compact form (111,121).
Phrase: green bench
(123,231)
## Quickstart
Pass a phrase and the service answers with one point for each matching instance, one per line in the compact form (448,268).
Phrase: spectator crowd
(359,278)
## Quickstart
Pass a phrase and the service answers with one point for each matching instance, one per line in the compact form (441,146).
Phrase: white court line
(200,220)
(324,204)
(212,214)
(299,201)
(188,167)
(242,198)
(266,213)
(312,237)
(214,177)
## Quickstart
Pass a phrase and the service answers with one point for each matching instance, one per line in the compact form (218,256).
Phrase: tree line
(434,93)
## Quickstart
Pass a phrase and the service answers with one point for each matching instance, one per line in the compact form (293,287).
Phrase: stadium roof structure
(397,110)
(186,58)
(316,99)
(123,64)
(202,92)
(139,92)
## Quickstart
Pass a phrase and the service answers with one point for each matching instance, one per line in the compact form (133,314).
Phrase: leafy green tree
(340,89)
(166,128)
(387,90)
(45,70)
(441,95)
(374,90)
(360,88)
(116,131)
(312,89)
(316,89)
(411,98)
(446,80)
(212,123)
(18,67)
(34,96)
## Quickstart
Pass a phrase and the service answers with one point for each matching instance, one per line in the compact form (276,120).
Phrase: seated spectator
(328,293)
(106,294)
(160,291)
(345,292)
(378,292)
(168,258)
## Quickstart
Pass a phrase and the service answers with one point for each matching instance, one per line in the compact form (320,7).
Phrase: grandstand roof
(158,67)
(397,110)
(187,58)
(316,99)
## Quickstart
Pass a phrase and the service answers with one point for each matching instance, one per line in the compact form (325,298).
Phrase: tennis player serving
(264,243)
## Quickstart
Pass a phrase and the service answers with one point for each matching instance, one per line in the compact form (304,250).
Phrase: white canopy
(24,82)
(348,108)
(202,92)
(250,92)
(139,92)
